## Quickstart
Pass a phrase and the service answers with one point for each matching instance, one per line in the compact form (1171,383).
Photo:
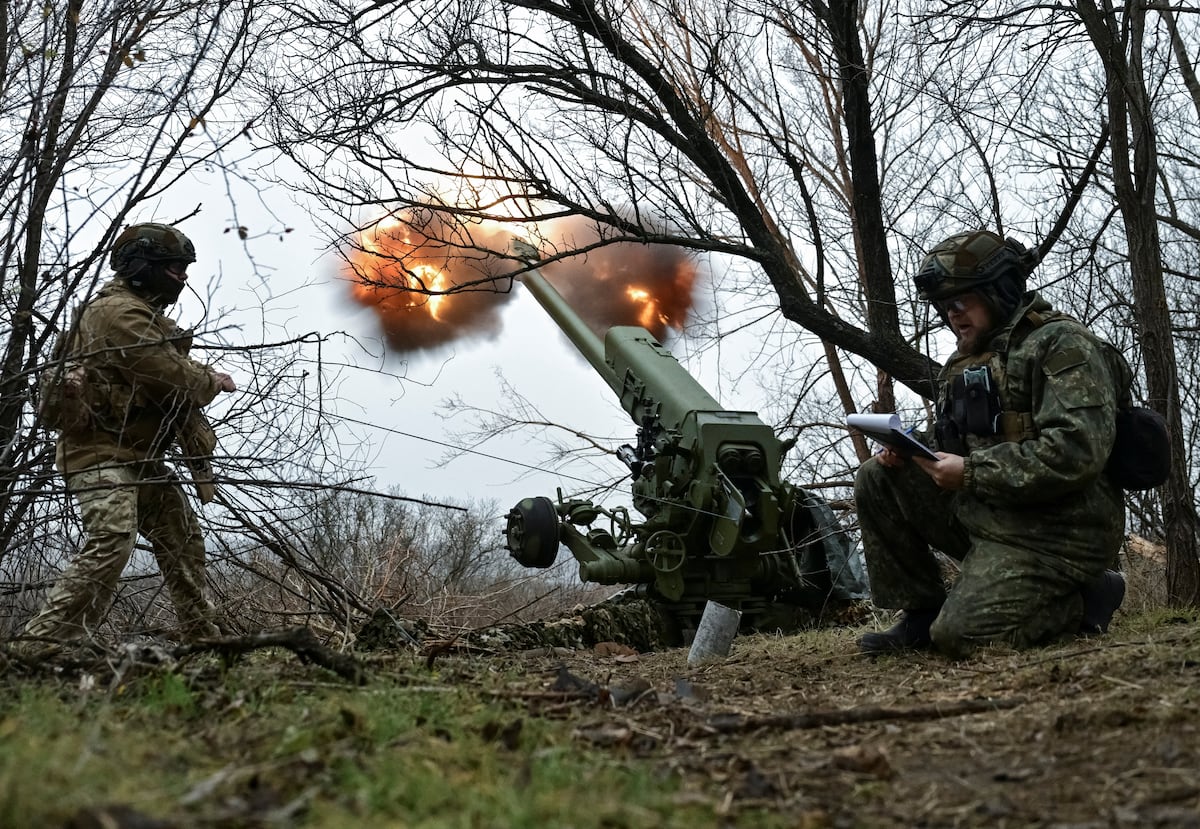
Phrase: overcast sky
(297,287)
(295,284)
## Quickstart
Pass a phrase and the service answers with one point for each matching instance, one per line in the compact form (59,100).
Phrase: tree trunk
(1135,173)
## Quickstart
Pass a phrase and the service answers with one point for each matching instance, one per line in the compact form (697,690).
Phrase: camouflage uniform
(1036,518)
(141,387)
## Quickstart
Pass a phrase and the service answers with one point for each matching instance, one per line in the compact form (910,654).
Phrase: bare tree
(1120,44)
(658,122)
(104,105)
(1137,228)
(802,139)
(109,110)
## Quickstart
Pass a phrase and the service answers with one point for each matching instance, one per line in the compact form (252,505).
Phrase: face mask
(156,285)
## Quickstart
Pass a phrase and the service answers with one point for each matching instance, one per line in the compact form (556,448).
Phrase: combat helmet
(976,261)
(150,242)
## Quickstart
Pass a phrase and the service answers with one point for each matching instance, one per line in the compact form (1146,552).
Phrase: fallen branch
(734,723)
(41,654)
(300,641)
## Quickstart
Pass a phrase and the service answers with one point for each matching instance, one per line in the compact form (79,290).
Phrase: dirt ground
(1092,733)
(803,731)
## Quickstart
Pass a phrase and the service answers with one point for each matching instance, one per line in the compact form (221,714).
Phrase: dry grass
(1145,566)
(788,731)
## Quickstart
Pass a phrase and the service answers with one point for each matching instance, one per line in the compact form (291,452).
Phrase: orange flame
(650,317)
(624,283)
(402,270)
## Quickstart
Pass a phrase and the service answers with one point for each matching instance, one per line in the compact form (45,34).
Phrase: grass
(268,743)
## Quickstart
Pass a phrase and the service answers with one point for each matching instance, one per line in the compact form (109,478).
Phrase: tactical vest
(102,398)
(981,403)
(63,389)
(114,399)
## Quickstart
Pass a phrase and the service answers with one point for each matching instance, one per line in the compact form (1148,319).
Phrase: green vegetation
(253,746)
(789,731)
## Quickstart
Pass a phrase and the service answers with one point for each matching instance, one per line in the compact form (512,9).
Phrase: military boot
(1101,598)
(909,634)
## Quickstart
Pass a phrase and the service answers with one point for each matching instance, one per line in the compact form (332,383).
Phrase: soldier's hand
(889,457)
(224,381)
(948,471)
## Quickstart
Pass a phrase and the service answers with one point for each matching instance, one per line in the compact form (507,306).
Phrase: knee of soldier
(108,547)
(114,537)
(871,477)
(950,637)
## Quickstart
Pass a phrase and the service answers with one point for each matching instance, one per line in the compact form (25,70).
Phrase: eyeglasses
(957,304)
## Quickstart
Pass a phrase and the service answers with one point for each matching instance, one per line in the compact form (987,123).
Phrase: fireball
(428,281)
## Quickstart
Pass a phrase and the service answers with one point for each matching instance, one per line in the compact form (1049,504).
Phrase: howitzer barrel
(569,323)
(645,376)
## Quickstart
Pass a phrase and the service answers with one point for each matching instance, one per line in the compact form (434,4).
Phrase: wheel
(666,551)
(532,533)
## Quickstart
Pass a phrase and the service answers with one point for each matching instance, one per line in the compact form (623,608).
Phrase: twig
(300,641)
(548,696)
(1059,656)
(734,723)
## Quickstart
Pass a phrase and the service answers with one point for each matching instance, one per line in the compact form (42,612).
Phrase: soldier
(1026,416)
(135,392)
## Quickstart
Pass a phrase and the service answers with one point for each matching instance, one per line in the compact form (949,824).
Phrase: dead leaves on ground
(677,719)
(87,659)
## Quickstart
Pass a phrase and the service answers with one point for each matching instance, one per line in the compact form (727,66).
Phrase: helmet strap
(1004,295)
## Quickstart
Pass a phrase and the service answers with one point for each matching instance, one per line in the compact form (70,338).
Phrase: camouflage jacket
(141,385)
(1059,386)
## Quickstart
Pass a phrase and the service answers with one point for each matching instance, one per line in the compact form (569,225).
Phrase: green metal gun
(719,523)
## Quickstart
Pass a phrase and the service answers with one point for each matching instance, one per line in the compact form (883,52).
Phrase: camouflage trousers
(1021,570)
(116,504)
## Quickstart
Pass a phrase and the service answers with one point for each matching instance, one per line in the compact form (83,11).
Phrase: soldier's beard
(974,331)
(971,342)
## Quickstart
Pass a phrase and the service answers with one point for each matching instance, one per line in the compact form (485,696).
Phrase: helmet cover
(970,261)
(150,242)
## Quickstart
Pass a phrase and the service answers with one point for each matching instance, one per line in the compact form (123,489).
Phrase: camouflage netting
(638,623)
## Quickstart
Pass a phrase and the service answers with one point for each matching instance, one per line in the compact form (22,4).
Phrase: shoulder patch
(1060,361)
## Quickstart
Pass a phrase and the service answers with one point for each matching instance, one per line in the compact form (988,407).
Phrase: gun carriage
(718,522)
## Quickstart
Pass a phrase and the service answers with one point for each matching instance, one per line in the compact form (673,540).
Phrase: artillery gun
(719,523)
